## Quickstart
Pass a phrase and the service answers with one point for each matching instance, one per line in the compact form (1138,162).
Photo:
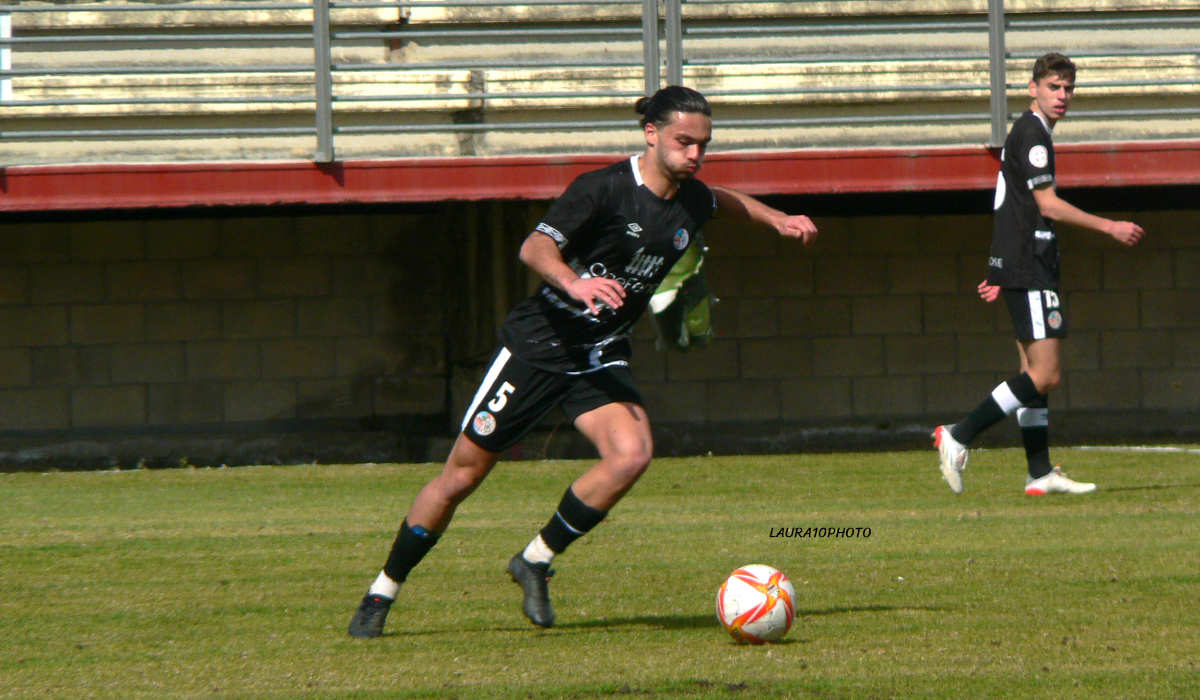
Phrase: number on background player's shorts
(1036,313)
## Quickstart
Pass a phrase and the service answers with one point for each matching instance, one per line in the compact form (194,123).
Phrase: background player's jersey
(607,224)
(1024,250)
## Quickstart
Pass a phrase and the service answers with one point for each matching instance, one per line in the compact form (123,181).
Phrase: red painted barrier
(170,185)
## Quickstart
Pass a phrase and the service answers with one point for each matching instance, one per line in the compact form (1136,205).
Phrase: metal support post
(6,91)
(650,55)
(674,41)
(999,79)
(323,79)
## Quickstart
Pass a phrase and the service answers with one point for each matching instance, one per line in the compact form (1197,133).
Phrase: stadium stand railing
(334,79)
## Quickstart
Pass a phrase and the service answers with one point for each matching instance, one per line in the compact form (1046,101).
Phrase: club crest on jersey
(1038,157)
(633,230)
(484,423)
(681,239)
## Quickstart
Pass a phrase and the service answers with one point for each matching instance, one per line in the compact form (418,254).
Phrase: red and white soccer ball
(756,604)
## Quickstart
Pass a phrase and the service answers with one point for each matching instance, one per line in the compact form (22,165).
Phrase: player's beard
(678,171)
(685,170)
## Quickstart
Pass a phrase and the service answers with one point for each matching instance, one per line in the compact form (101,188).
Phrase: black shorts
(1036,313)
(514,396)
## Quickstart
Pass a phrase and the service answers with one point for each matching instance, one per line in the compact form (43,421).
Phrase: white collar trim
(1045,123)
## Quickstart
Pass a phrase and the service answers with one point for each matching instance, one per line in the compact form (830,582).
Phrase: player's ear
(651,134)
(1033,88)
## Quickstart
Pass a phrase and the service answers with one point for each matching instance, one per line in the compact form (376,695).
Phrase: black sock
(411,545)
(1034,420)
(572,520)
(985,415)
(1007,397)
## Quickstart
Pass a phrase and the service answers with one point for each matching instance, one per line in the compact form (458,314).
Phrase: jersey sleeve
(1035,157)
(574,209)
(701,201)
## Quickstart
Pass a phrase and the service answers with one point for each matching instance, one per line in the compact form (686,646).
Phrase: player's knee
(460,477)
(628,459)
(456,484)
(1046,382)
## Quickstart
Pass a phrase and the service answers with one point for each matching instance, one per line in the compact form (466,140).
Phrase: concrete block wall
(210,322)
(879,324)
(298,323)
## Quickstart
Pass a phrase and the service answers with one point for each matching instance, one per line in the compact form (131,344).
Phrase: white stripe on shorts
(1037,316)
(488,380)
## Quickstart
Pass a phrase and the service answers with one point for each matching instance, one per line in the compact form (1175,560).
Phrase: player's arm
(542,255)
(1055,208)
(742,206)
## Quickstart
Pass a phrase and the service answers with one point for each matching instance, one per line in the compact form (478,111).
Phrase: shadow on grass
(662,622)
(1148,487)
(669,622)
(873,608)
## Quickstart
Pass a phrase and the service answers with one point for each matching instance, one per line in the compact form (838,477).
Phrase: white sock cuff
(1005,398)
(385,586)
(538,552)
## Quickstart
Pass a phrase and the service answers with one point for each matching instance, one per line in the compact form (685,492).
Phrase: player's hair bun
(660,107)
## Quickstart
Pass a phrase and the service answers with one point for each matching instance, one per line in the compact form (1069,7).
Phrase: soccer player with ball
(1023,268)
(603,248)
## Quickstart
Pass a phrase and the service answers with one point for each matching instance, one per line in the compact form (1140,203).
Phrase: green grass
(240,582)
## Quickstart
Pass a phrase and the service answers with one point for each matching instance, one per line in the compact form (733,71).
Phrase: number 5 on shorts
(498,403)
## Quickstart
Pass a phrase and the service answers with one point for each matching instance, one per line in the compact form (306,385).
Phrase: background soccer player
(1023,267)
(603,248)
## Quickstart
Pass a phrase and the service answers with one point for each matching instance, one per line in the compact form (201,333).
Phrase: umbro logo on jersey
(633,230)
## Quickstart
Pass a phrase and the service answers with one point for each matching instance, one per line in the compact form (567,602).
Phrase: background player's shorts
(1036,313)
(514,396)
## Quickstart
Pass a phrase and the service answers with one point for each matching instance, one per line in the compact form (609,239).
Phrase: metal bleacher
(322,80)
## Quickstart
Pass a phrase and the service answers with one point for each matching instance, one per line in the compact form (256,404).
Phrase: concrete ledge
(333,442)
(432,91)
(423,441)
(772,10)
(806,82)
(517,13)
(784,83)
(179,17)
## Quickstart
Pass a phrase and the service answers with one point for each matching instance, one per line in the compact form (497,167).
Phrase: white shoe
(953,457)
(1055,482)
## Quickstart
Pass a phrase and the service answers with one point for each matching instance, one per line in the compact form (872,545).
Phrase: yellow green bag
(681,307)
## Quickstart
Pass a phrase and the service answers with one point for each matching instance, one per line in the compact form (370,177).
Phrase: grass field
(240,582)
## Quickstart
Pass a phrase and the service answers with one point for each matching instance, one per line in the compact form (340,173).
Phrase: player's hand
(1126,232)
(597,290)
(799,226)
(988,292)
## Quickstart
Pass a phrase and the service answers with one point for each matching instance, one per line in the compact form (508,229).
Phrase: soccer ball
(756,604)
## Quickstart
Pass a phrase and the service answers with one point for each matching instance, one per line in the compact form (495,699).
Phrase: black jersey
(1024,250)
(607,224)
